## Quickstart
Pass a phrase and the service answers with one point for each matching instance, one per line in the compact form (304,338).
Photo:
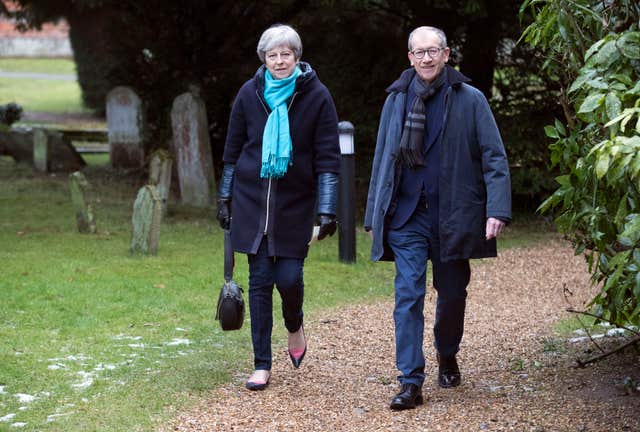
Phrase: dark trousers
(412,245)
(264,273)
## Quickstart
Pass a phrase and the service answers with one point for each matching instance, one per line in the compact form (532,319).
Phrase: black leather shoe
(448,372)
(409,397)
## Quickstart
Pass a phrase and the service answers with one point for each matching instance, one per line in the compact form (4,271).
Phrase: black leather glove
(224,196)
(327,226)
(224,213)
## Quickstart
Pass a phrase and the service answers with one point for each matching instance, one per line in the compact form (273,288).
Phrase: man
(440,191)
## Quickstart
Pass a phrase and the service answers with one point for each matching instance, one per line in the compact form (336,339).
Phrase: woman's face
(280,61)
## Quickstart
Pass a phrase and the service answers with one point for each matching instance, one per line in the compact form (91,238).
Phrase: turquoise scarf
(276,139)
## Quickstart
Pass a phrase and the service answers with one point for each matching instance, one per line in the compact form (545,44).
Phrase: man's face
(425,43)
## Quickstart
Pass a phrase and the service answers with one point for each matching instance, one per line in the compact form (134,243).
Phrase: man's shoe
(448,372)
(409,397)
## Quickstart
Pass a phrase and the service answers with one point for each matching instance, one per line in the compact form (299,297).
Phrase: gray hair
(279,35)
(437,31)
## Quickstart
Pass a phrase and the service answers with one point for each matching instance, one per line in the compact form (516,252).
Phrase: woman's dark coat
(474,181)
(283,209)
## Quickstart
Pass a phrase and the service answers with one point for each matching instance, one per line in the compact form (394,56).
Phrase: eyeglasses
(284,56)
(431,52)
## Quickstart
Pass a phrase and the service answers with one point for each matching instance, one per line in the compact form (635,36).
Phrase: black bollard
(346,195)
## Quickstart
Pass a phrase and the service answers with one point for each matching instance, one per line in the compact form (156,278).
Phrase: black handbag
(230,309)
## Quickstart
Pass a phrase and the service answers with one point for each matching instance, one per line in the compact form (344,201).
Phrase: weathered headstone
(192,150)
(41,154)
(146,219)
(124,124)
(85,218)
(18,142)
(160,176)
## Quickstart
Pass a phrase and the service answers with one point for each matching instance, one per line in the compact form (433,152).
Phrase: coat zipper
(266,219)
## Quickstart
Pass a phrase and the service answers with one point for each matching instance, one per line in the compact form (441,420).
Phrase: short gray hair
(279,35)
(437,31)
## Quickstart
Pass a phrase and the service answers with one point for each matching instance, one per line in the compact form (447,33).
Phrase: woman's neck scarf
(276,138)
(412,140)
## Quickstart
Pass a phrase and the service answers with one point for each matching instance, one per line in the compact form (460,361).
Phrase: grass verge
(93,338)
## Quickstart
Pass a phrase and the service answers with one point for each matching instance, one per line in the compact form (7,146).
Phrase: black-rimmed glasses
(431,52)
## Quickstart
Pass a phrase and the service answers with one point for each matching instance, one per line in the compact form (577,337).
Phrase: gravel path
(516,374)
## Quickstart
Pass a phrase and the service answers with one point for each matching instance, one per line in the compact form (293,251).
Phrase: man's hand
(224,213)
(494,228)
(327,226)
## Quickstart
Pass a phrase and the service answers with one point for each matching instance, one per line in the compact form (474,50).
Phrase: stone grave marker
(160,176)
(192,150)
(146,219)
(41,154)
(85,218)
(124,124)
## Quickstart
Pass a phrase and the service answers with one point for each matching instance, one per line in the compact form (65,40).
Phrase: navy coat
(474,180)
(283,209)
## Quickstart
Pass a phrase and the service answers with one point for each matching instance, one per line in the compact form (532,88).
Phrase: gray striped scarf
(412,140)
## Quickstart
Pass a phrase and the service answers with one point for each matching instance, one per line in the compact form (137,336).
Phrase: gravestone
(124,128)
(194,163)
(41,154)
(160,176)
(85,218)
(146,219)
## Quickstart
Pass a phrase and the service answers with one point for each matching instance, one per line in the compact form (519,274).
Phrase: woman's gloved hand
(327,194)
(224,196)
(224,213)
(327,225)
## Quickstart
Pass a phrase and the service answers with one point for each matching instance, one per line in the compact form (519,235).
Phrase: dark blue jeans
(412,245)
(264,272)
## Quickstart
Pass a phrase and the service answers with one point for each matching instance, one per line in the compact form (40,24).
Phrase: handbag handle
(228,256)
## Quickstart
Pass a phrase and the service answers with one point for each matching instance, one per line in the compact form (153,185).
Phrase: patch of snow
(178,341)
(102,367)
(580,332)
(138,345)
(2,389)
(122,336)
(18,424)
(615,332)
(7,417)
(180,329)
(25,398)
(52,417)
(86,380)
(56,366)
(23,408)
(583,338)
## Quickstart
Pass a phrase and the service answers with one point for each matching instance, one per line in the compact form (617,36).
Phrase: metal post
(346,195)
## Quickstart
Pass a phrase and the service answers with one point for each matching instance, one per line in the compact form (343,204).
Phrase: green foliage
(594,50)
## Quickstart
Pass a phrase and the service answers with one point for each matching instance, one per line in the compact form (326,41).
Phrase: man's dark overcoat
(474,181)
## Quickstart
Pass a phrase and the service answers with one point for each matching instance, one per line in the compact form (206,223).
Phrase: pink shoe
(257,384)
(297,354)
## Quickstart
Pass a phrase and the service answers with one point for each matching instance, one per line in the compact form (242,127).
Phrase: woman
(281,159)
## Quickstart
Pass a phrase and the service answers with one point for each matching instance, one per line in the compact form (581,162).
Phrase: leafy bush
(593,48)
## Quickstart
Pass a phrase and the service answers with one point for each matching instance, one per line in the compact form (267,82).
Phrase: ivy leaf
(585,75)
(629,44)
(597,83)
(591,102)
(560,127)
(612,105)
(595,47)
(623,78)
(551,132)
(602,166)
(607,54)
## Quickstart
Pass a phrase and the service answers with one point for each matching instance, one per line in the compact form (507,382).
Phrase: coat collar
(454,78)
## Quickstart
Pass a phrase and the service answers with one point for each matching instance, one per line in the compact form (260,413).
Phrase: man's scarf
(276,138)
(412,140)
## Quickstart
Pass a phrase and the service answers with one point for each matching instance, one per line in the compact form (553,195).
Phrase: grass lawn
(93,338)
(41,94)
